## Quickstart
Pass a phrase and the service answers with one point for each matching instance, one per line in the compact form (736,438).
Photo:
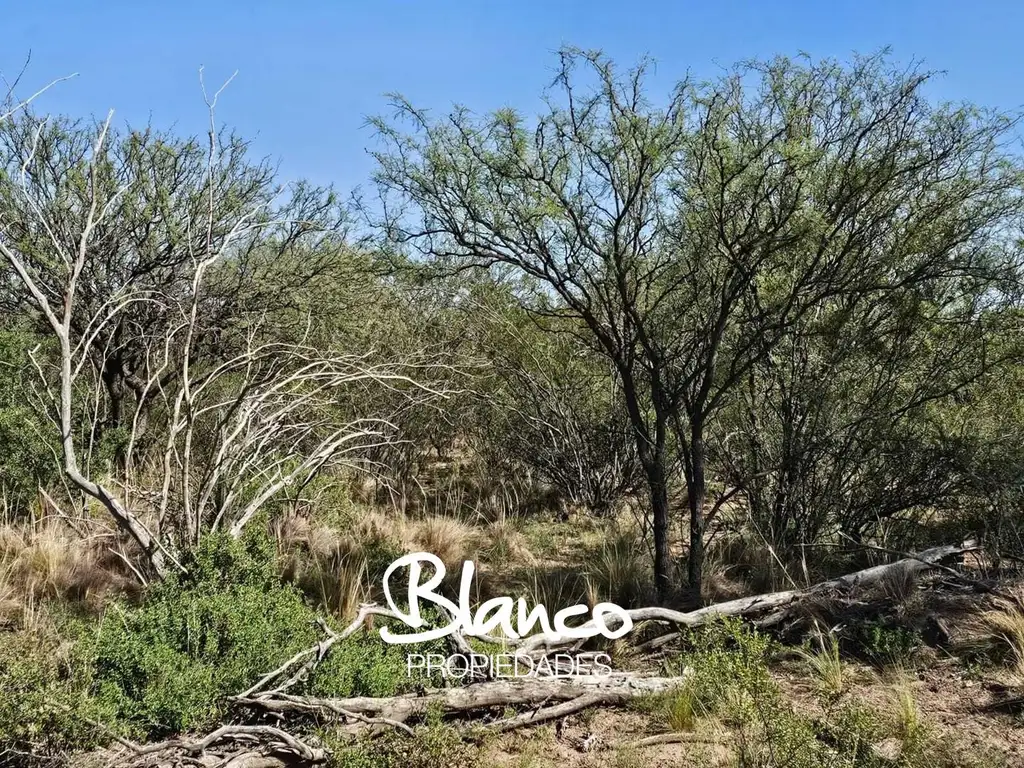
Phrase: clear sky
(311,72)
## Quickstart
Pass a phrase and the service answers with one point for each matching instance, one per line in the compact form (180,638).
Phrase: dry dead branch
(577,692)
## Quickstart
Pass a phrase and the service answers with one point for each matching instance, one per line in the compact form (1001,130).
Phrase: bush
(170,663)
(434,745)
(728,664)
(45,709)
(884,645)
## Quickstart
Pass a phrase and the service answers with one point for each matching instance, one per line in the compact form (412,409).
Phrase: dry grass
(620,572)
(1002,629)
(899,585)
(555,588)
(450,539)
(46,560)
(343,568)
(741,563)
(826,666)
(506,546)
(10,602)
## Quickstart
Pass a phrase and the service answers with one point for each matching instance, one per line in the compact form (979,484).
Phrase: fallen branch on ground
(747,607)
(262,742)
(566,696)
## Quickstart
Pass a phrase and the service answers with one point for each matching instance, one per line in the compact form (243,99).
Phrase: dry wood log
(616,688)
(781,603)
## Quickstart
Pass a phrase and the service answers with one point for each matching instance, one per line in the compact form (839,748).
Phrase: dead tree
(270,415)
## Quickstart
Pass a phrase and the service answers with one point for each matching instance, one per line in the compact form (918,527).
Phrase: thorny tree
(117,265)
(690,236)
(163,203)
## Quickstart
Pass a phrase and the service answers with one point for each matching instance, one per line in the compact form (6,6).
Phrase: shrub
(45,709)
(727,663)
(169,664)
(884,645)
(434,745)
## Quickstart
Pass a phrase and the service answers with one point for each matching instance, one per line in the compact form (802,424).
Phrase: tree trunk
(659,511)
(653,459)
(696,491)
(651,449)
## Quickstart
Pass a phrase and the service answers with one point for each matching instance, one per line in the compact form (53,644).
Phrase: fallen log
(581,691)
(776,602)
(262,744)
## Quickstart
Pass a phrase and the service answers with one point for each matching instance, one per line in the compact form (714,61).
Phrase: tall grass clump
(1002,631)
(620,572)
(827,668)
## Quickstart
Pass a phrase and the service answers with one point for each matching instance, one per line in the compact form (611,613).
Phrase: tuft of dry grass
(899,585)
(506,546)
(826,666)
(45,560)
(48,561)
(620,572)
(1003,630)
(450,539)
(555,588)
(10,604)
(336,569)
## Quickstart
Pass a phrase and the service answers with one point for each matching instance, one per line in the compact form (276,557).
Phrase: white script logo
(492,614)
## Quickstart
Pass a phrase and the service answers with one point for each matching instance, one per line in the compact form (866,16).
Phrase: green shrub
(28,440)
(884,645)
(170,663)
(363,665)
(435,744)
(728,664)
(45,709)
(851,731)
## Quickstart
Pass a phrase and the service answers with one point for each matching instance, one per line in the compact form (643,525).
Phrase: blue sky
(311,72)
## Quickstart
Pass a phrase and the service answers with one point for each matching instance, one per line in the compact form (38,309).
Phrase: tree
(244,411)
(844,431)
(165,202)
(548,405)
(689,237)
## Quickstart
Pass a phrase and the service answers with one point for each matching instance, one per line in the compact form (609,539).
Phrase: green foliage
(730,680)
(851,730)
(45,708)
(27,459)
(169,664)
(885,645)
(434,745)
(728,669)
(363,665)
